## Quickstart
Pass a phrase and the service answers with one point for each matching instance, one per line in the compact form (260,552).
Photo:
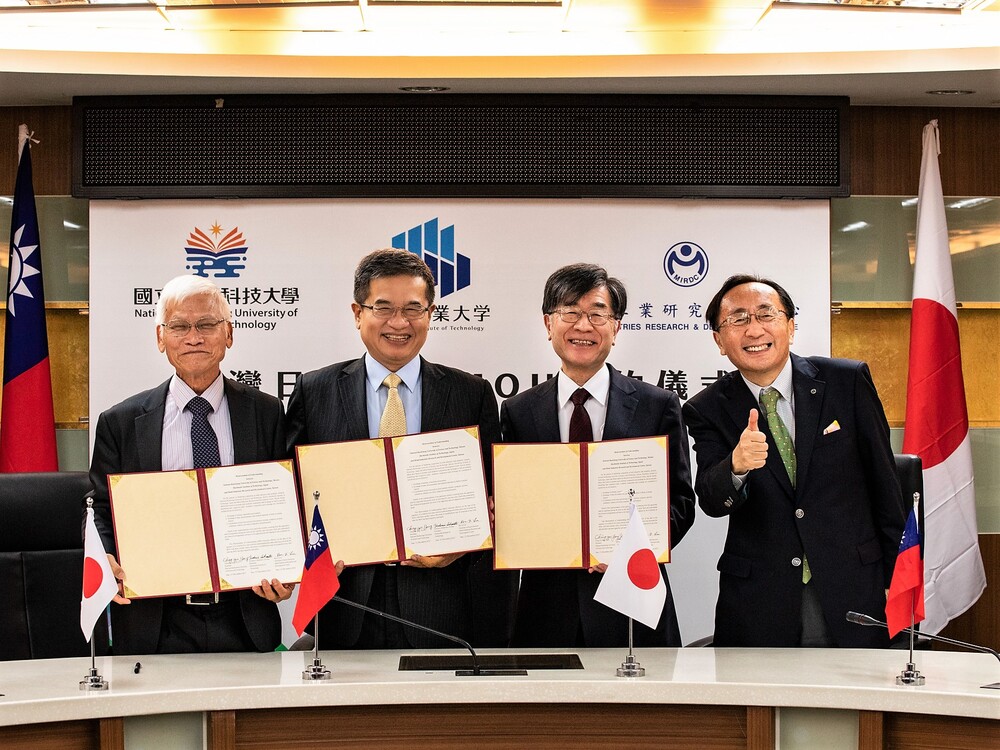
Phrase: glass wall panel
(873,240)
(64,228)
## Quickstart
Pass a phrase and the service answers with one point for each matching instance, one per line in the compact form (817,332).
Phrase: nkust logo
(452,271)
(214,257)
(686,264)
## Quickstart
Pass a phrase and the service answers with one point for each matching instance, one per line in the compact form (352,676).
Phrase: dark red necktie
(580,429)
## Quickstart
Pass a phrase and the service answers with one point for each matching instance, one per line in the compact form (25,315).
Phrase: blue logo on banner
(452,271)
(222,258)
(686,264)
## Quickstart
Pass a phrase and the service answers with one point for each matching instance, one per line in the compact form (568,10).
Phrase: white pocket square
(832,427)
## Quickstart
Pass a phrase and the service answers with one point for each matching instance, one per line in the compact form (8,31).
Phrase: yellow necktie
(393,420)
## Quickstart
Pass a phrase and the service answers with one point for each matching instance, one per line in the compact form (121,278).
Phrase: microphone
(862,619)
(475,672)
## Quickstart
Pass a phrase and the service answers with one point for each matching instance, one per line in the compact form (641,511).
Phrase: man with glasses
(590,401)
(198,418)
(389,391)
(795,451)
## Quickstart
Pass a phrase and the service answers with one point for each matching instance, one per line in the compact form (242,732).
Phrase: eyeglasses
(385,312)
(182,328)
(574,316)
(764,316)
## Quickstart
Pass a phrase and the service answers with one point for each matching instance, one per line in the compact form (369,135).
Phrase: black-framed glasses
(385,312)
(574,316)
(764,315)
(181,328)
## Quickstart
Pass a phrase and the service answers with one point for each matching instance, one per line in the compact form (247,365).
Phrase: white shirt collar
(181,392)
(782,383)
(598,387)
(376,372)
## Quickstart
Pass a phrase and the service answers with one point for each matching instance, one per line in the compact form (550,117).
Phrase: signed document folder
(207,530)
(565,505)
(385,499)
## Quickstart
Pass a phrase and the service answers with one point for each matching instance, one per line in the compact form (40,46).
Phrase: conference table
(689,698)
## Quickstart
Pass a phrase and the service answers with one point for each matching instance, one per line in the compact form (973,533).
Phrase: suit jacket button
(799,513)
(796,562)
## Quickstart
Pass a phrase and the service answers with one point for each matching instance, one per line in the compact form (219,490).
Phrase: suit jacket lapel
(739,402)
(242,417)
(622,403)
(544,408)
(351,396)
(149,430)
(808,400)
(435,390)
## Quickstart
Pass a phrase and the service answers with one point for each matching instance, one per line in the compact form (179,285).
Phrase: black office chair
(41,565)
(909,470)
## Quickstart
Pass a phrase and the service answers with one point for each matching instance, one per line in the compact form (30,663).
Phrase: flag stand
(910,675)
(630,667)
(93,680)
(316,671)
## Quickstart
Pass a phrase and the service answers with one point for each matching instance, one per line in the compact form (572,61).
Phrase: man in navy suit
(151,431)
(795,451)
(583,308)
(457,594)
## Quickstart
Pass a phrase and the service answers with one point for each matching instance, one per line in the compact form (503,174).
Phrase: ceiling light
(423,89)
(854,227)
(950,92)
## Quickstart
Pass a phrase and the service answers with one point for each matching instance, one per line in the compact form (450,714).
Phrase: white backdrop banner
(287,270)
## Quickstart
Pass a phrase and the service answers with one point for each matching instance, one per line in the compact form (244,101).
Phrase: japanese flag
(99,585)
(632,584)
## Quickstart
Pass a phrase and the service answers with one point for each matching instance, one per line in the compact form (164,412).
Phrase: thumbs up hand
(751,452)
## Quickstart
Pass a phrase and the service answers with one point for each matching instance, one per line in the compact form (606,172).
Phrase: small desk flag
(99,584)
(632,584)
(319,576)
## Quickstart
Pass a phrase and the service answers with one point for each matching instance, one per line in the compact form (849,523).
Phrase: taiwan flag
(905,604)
(319,576)
(99,584)
(632,584)
(27,421)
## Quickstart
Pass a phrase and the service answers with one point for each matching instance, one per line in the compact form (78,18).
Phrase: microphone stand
(474,672)
(910,676)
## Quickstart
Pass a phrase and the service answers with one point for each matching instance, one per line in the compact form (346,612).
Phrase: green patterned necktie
(769,400)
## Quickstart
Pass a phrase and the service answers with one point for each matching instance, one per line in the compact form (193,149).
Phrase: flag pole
(630,667)
(316,671)
(93,679)
(911,675)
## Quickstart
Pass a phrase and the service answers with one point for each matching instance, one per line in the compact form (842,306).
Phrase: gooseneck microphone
(861,619)
(476,672)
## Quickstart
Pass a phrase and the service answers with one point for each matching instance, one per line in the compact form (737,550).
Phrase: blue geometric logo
(222,258)
(452,271)
(686,264)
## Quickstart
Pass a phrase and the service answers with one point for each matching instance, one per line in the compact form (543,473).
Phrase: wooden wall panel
(69,361)
(51,158)
(611,726)
(880,336)
(919,732)
(886,149)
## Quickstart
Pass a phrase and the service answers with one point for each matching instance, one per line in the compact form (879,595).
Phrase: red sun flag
(937,423)
(643,570)
(632,583)
(99,584)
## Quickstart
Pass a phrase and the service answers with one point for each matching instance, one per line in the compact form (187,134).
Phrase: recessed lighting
(855,226)
(423,89)
(950,92)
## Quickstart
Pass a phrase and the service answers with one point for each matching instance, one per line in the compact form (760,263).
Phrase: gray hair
(181,288)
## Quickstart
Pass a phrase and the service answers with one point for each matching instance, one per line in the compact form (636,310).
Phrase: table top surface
(45,690)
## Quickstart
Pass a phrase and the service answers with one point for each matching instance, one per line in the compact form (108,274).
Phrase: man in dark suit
(392,390)
(152,431)
(795,450)
(582,310)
